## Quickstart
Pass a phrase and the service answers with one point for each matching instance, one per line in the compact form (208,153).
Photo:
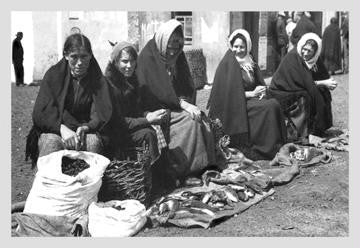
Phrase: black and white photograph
(133,123)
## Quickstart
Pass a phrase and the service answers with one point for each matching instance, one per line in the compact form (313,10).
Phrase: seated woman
(73,105)
(131,126)
(301,84)
(165,82)
(238,98)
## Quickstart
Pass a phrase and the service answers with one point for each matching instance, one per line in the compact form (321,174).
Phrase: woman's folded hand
(330,83)
(156,117)
(193,110)
(70,139)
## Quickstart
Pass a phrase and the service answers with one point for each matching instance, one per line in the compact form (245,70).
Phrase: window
(76,15)
(185,17)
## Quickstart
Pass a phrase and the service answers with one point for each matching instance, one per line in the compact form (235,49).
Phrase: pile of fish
(230,190)
(72,167)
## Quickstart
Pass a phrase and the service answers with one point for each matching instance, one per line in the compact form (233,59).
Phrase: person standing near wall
(289,29)
(331,46)
(345,38)
(281,36)
(303,25)
(17,59)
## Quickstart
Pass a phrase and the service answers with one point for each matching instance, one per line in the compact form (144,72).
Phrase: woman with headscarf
(301,84)
(166,83)
(331,47)
(132,126)
(238,98)
(73,106)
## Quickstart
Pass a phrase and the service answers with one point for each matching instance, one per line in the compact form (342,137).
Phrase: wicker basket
(128,179)
(197,66)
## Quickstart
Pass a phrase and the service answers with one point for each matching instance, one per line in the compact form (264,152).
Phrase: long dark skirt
(267,132)
(137,138)
(191,147)
(298,108)
(147,135)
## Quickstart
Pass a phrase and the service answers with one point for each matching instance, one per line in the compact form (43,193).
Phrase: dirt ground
(316,203)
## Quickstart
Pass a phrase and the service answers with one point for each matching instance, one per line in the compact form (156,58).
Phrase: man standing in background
(345,37)
(303,25)
(331,47)
(281,36)
(289,29)
(17,59)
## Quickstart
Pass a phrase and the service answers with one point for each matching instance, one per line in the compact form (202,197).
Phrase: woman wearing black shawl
(132,126)
(165,82)
(73,105)
(238,98)
(331,47)
(301,84)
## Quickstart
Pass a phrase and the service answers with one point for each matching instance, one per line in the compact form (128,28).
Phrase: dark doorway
(251,24)
(316,17)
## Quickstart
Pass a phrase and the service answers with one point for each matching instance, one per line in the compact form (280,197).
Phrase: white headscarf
(162,37)
(246,63)
(310,36)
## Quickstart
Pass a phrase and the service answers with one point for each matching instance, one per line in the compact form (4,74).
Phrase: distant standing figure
(331,46)
(17,59)
(303,25)
(345,36)
(289,29)
(281,35)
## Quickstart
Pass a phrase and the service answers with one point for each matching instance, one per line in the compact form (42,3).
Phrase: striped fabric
(160,137)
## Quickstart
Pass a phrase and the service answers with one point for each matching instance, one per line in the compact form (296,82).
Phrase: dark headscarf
(157,88)
(49,105)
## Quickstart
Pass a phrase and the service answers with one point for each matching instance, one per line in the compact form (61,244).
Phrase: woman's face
(126,64)
(175,44)
(239,47)
(307,52)
(79,60)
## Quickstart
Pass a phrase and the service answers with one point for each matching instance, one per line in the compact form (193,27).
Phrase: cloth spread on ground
(36,225)
(195,213)
(337,142)
(304,156)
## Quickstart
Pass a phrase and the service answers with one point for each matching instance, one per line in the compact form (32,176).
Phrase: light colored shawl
(310,36)
(162,37)
(247,62)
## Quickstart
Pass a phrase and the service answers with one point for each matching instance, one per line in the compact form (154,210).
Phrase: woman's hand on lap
(156,117)
(193,110)
(70,139)
(81,135)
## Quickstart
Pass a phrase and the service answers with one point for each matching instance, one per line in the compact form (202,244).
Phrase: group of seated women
(151,98)
(260,118)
